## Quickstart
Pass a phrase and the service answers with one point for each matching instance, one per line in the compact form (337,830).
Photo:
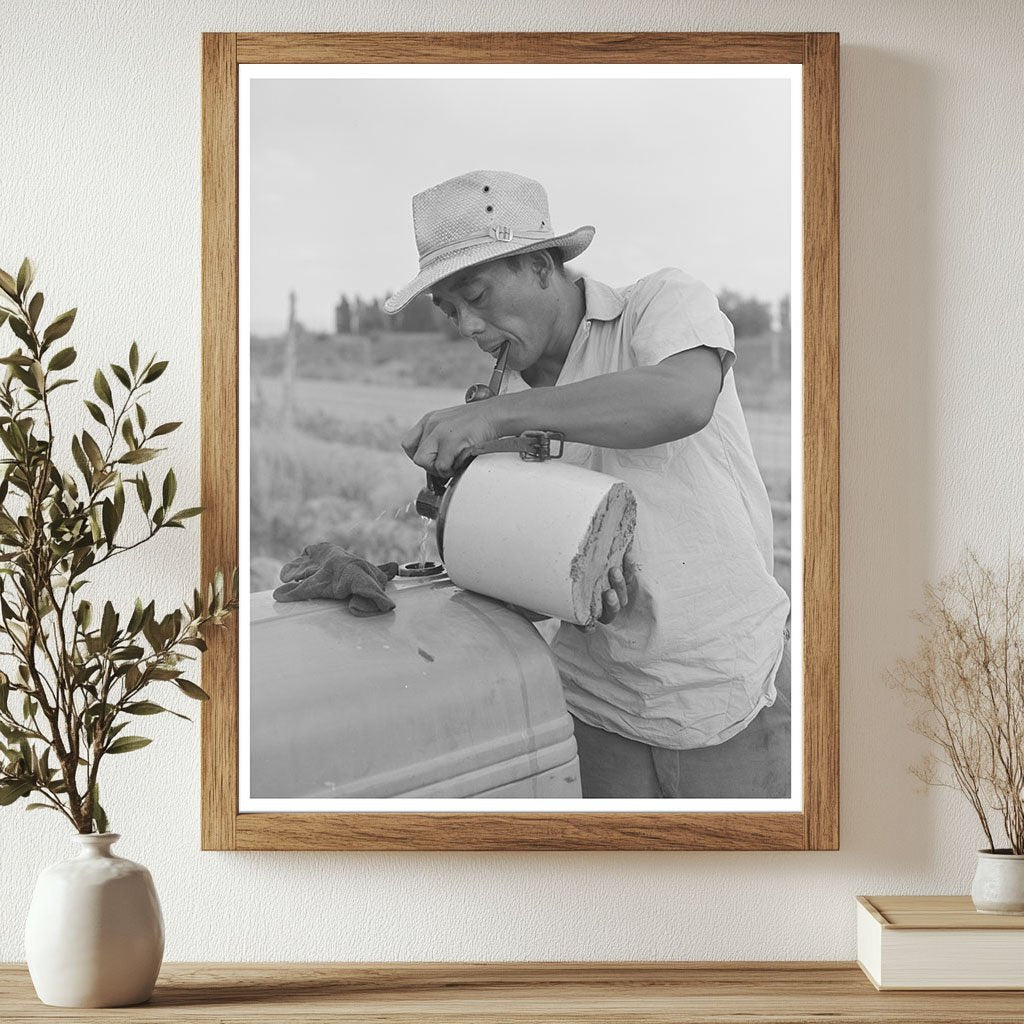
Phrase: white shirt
(692,658)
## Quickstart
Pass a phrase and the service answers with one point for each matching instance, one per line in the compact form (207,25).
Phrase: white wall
(100,183)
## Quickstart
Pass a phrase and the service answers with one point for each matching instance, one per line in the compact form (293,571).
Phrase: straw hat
(477,217)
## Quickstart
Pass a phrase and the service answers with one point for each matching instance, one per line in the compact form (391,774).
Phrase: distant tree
(377,319)
(749,316)
(343,317)
(784,317)
(359,316)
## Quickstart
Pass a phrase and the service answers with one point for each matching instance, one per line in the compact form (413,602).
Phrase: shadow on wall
(888,275)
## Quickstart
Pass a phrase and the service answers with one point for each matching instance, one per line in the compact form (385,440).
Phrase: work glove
(326,570)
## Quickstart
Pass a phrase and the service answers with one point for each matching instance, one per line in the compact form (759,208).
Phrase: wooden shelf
(656,993)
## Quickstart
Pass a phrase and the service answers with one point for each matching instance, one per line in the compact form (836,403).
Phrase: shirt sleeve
(670,312)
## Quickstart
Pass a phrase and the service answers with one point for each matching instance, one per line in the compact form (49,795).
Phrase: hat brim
(570,244)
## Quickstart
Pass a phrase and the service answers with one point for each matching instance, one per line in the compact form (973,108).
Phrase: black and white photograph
(520,440)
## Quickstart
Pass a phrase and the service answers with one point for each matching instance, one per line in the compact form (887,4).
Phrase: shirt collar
(601,301)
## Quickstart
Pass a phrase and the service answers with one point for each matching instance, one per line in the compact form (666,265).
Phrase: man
(670,692)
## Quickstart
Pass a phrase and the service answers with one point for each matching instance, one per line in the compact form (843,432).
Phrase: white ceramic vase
(999,882)
(95,933)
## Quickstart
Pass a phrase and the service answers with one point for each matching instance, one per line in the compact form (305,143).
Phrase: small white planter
(999,883)
(95,933)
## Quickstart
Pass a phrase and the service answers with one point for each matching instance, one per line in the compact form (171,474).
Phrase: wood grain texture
(817,827)
(821,440)
(520,831)
(527,993)
(521,48)
(936,912)
(219,430)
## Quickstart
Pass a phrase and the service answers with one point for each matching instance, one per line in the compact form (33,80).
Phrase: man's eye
(476,298)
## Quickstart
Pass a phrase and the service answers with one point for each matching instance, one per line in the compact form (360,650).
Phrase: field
(334,469)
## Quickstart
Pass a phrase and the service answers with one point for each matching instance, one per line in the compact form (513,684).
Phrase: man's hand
(326,570)
(440,438)
(621,587)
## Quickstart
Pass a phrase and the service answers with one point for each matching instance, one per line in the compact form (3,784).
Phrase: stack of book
(938,942)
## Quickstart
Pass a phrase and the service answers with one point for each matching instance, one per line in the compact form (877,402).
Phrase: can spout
(428,501)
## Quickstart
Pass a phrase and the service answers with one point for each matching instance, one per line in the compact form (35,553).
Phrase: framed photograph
(521,422)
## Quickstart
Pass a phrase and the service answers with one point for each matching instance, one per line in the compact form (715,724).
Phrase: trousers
(753,764)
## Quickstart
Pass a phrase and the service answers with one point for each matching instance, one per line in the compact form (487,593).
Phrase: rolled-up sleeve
(674,312)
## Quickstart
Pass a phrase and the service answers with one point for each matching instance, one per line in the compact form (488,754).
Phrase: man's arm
(635,408)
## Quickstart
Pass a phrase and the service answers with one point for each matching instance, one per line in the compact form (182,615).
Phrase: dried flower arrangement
(967,679)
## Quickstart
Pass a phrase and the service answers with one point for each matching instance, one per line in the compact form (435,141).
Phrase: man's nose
(469,324)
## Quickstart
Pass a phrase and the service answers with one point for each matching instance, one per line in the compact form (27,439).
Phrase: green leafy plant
(79,674)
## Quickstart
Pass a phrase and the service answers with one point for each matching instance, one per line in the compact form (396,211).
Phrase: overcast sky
(686,173)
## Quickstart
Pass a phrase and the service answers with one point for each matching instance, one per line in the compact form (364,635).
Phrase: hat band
(500,234)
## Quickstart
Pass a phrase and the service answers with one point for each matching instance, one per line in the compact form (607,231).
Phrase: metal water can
(532,531)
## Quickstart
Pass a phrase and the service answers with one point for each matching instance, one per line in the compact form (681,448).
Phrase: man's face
(493,303)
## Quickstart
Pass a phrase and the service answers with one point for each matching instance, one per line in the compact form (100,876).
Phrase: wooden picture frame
(816,826)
